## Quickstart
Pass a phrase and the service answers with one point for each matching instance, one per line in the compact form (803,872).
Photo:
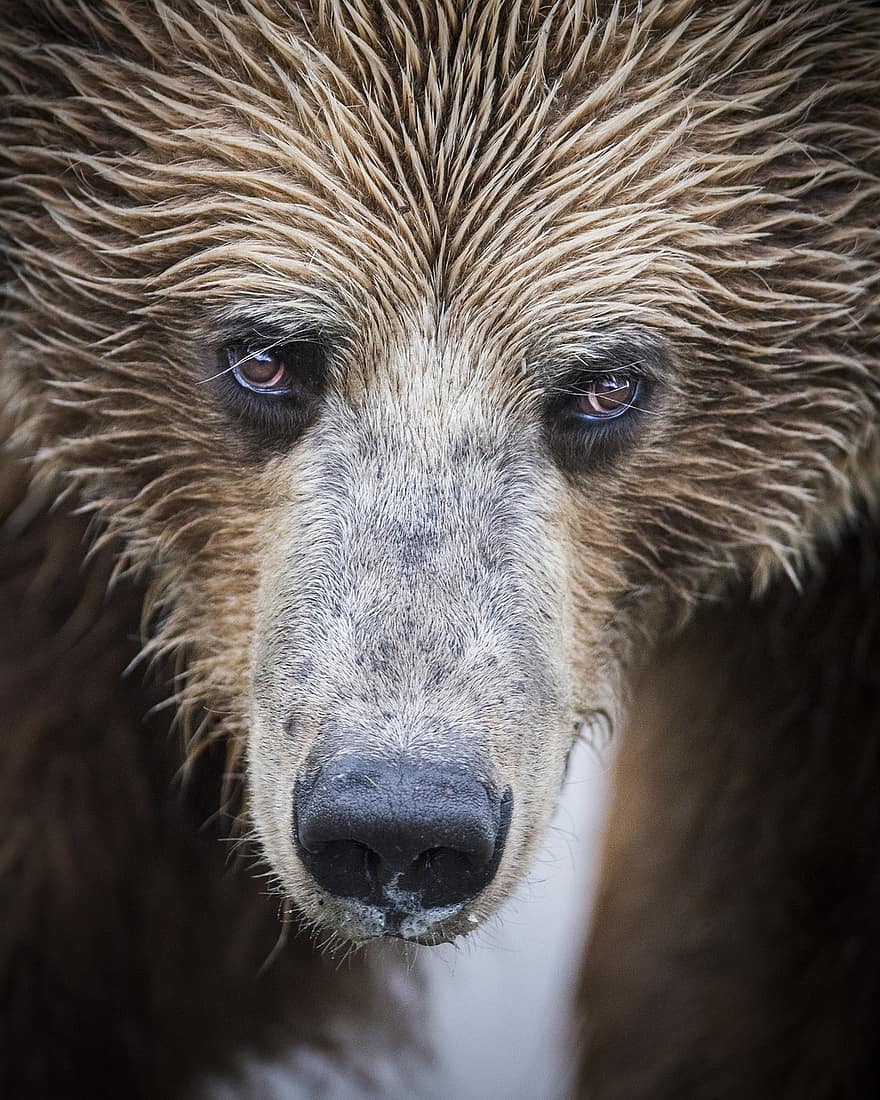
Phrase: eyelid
(631,347)
(257,331)
(578,374)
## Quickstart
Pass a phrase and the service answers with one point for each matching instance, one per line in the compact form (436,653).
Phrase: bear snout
(409,838)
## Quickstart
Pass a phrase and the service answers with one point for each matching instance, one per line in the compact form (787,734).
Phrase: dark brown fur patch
(735,946)
(138,952)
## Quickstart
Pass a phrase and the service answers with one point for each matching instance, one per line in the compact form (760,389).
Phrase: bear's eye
(275,370)
(606,396)
(272,388)
(592,415)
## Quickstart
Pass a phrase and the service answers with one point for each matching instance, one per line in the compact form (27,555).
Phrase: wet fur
(735,951)
(137,951)
(463,199)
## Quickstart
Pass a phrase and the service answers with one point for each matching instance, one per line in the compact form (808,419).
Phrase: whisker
(244,359)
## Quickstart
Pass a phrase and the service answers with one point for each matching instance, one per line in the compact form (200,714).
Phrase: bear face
(433,361)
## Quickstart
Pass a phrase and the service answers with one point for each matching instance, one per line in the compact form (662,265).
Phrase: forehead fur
(505,159)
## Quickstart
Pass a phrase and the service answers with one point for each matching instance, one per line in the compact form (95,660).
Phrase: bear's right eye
(259,371)
(276,369)
(273,387)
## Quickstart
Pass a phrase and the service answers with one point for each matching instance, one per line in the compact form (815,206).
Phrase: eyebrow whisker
(580,393)
(244,359)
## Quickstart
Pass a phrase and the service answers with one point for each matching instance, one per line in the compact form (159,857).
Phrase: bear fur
(733,952)
(459,201)
(137,956)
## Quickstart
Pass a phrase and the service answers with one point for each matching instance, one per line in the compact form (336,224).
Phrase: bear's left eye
(592,415)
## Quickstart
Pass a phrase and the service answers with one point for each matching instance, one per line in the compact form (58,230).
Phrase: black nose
(402,835)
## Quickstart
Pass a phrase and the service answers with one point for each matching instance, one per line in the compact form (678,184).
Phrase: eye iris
(607,396)
(257,370)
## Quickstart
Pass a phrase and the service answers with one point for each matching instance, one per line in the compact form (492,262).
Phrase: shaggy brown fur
(469,206)
(735,950)
(135,955)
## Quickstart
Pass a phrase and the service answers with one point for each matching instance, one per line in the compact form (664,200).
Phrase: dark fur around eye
(579,444)
(639,362)
(272,420)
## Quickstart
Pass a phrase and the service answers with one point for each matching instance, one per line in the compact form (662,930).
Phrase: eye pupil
(607,396)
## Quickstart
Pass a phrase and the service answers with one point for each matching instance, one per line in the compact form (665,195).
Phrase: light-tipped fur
(461,200)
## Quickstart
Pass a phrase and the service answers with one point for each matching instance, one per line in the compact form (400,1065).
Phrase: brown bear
(438,383)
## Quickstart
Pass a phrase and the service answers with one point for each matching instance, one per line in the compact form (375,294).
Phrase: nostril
(347,868)
(428,866)
(401,835)
(443,876)
(426,859)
